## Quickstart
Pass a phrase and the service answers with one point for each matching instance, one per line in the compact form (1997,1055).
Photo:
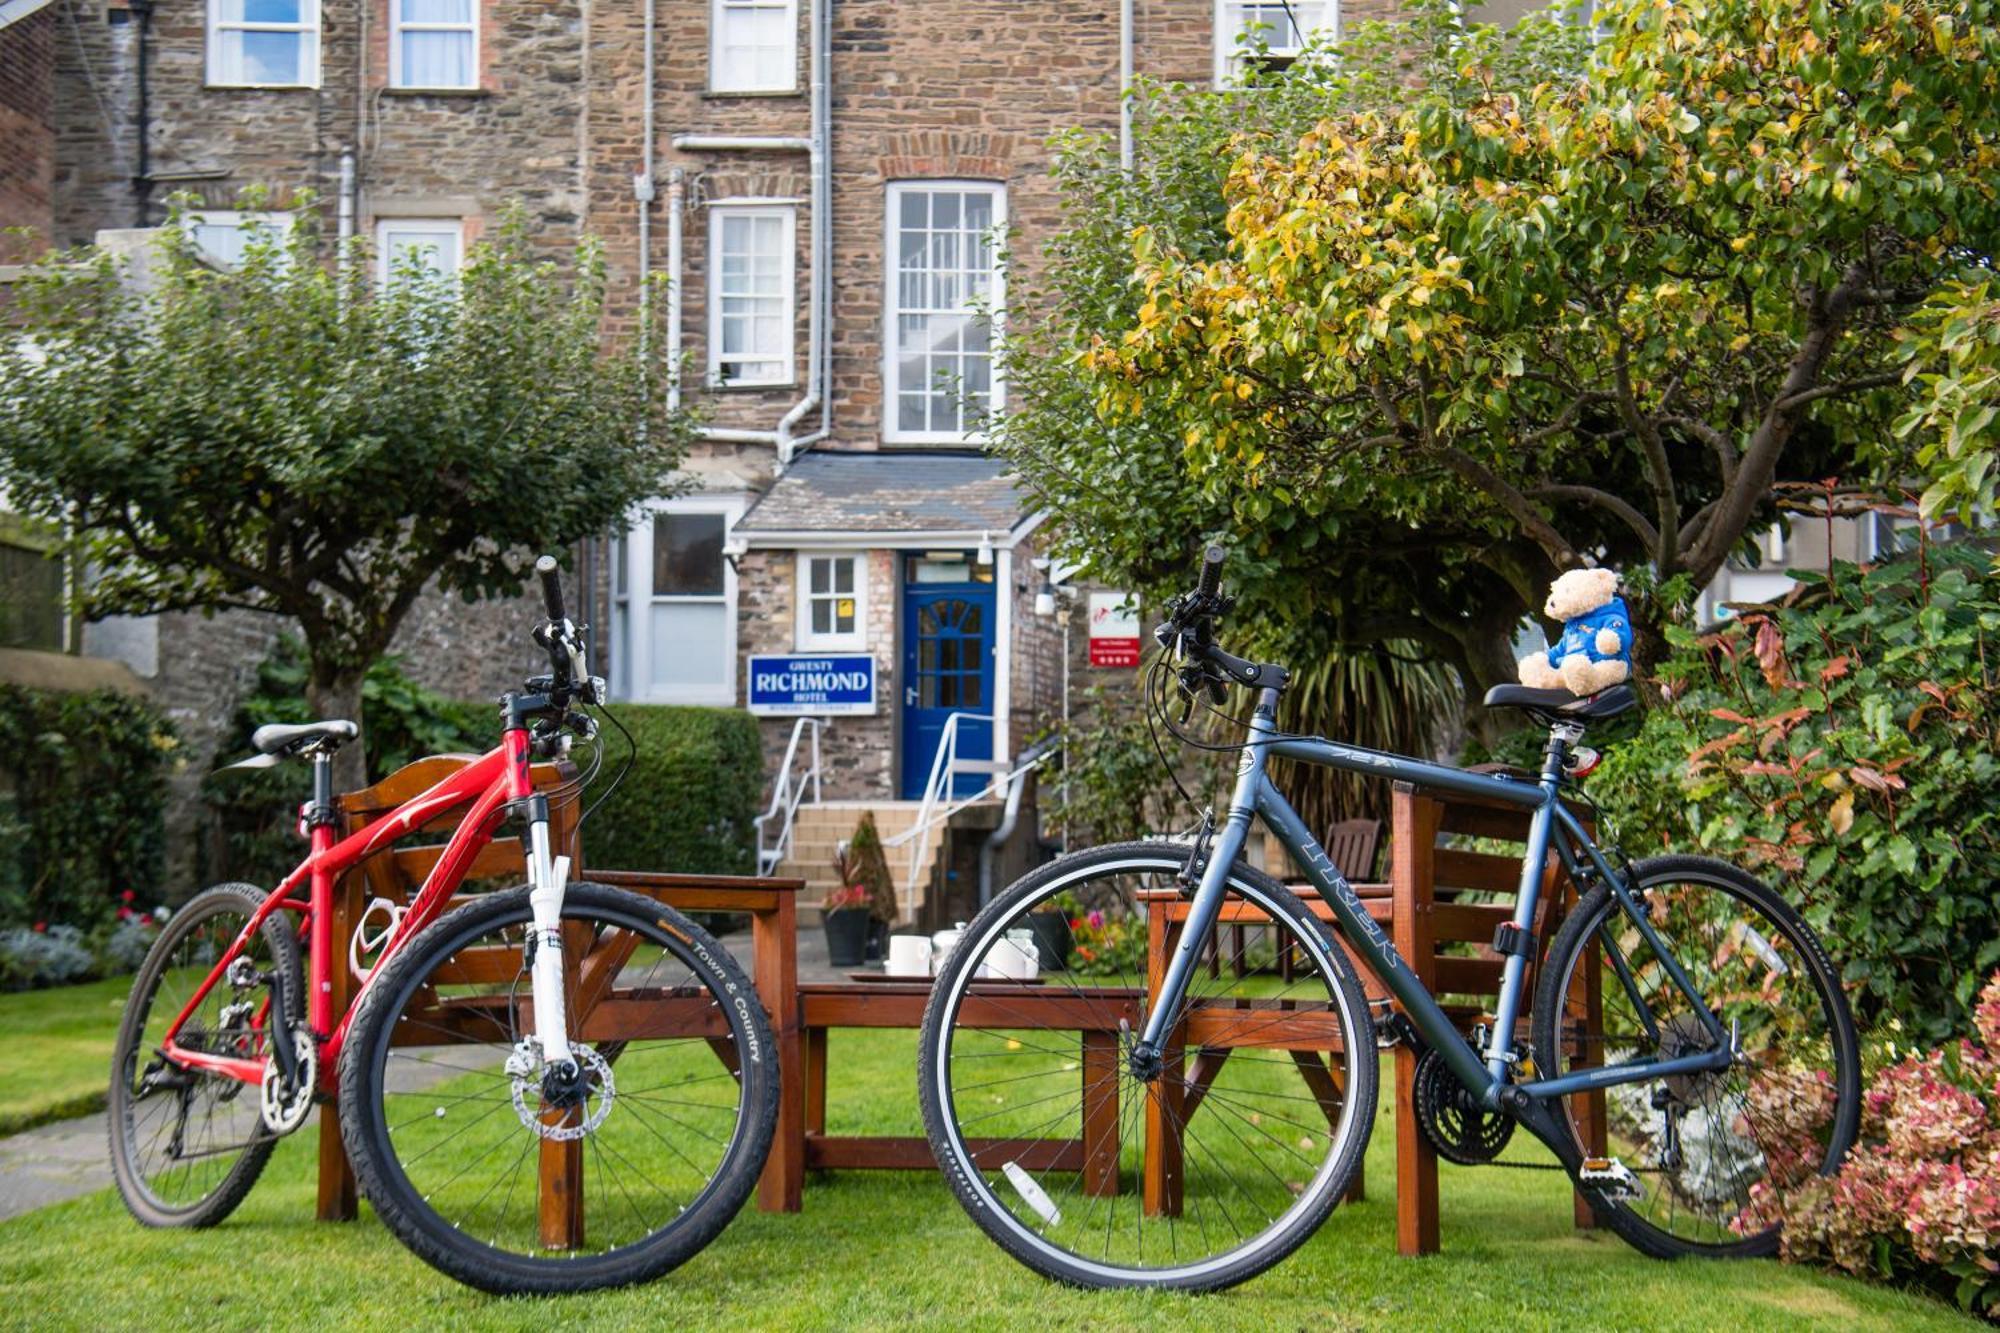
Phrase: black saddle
(1561,705)
(284,738)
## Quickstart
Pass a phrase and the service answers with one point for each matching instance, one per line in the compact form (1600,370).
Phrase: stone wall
(27,130)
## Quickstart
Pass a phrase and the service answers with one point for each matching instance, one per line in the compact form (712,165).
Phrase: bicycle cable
(631,755)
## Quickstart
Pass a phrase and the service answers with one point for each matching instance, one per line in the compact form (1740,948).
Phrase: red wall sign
(1114,630)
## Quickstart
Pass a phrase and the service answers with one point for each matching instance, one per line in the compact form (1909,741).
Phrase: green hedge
(82,810)
(690,799)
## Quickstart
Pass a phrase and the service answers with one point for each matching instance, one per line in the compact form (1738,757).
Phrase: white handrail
(943,768)
(787,796)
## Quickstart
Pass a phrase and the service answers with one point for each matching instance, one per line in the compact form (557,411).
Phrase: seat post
(1562,735)
(322,810)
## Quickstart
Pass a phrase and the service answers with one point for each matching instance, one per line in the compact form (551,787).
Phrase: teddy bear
(1595,650)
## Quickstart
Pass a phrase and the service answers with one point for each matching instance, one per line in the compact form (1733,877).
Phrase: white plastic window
(945,291)
(753,46)
(263,43)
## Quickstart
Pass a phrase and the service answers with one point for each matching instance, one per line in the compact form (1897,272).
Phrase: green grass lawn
(56,1054)
(877,1249)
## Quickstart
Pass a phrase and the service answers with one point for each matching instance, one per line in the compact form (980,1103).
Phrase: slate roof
(830,491)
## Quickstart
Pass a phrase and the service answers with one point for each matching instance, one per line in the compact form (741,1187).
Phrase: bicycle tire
(218,1202)
(406,1209)
(1567,950)
(1315,1200)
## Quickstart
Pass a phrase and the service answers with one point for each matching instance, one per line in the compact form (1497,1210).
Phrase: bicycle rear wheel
(1196,1177)
(515,1183)
(187,1145)
(1703,1146)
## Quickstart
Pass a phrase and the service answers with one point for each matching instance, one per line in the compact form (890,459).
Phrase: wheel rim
(1709,1147)
(1261,1142)
(652,1126)
(184,1131)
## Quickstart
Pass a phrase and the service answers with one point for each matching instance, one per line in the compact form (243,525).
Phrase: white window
(263,43)
(674,604)
(434,43)
(945,293)
(223,235)
(753,46)
(750,295)
(1267,32)
(833,602)
(405,245)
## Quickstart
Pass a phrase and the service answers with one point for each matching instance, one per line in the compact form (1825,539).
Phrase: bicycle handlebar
(552,597)
(1211,573)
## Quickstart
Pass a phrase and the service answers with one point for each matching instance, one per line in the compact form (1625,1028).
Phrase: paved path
(71,1157)
(55,1162)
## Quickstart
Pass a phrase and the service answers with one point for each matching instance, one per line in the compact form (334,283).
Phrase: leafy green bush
(690,799)
(1846,743)
(253,816)
(82,812)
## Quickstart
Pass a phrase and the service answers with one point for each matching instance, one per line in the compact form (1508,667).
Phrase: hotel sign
(818,684)
(1114,630)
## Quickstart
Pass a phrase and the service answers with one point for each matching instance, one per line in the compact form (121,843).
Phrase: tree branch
(1605,500)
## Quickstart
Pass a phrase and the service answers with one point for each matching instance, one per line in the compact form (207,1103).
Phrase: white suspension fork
(547,878)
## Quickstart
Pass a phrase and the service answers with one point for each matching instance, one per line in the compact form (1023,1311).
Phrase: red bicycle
(462,1065)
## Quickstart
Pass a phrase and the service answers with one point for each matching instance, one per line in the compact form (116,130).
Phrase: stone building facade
(27,120)
(841,504)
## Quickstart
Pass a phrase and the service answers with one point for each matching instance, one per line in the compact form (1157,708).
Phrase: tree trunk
(335,694)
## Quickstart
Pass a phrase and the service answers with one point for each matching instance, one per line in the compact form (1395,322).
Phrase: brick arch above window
(944,155)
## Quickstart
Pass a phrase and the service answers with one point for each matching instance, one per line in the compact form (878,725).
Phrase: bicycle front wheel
(1195,1175)
(1703,1147)
(559,1180)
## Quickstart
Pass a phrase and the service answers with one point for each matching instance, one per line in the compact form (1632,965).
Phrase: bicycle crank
(1453,1120)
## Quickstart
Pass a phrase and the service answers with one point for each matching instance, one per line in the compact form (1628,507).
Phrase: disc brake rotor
(597,1093)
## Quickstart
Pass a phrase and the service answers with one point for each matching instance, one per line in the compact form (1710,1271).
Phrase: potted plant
(1051,922)
(844,915)
(862,863)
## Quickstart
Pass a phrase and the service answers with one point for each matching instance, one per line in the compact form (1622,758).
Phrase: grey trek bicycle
(1191,1128)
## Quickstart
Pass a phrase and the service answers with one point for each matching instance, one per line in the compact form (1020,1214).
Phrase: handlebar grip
(1211,571)
(551,576)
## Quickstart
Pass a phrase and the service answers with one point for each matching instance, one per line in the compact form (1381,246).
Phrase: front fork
(548,876)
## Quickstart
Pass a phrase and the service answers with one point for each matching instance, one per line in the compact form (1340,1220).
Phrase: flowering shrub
(846,896)
(1918,1200)
(1846,745)
(60,955)
(1108,945)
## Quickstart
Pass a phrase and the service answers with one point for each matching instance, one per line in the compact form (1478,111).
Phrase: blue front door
(948,637)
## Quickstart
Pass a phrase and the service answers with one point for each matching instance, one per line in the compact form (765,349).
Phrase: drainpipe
(142,176)
(998,839)
(642,189)
(346,227)
(1125,86)
(676,204)
(819,336)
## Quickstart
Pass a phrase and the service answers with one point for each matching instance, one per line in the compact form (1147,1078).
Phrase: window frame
(398,26)
(632,658)
(386,227)
(717,80)
(279,220)
(804,639)
(308,29)
(892,308)
(1227,48)
(719,213)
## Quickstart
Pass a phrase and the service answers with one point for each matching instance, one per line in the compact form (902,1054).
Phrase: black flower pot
(1052,939)
(846,936)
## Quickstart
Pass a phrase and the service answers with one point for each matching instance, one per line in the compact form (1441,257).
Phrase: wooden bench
(397,873)
(1093,1012)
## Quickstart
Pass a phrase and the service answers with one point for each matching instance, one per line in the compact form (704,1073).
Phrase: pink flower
(41,927)
(1096,920)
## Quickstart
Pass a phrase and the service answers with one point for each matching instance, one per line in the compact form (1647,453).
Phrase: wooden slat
(1304,1030)
(1207,1063)
(1468,922)
(996,1006)
(1412,847)
(910,1153)
(1483,871)
(640,1017)
(1465,976)
(486,965)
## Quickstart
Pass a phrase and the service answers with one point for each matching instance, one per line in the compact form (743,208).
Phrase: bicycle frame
(489,784)
(1490,1076)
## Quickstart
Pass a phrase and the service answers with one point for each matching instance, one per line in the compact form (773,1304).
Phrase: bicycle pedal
(1610,1178)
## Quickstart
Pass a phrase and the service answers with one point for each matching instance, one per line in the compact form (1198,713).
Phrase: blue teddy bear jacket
(1579,636)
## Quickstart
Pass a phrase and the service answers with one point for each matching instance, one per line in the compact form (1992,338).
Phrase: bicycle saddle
(283,738)
(1558,704)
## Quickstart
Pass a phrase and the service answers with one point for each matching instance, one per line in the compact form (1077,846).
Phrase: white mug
(909,956)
